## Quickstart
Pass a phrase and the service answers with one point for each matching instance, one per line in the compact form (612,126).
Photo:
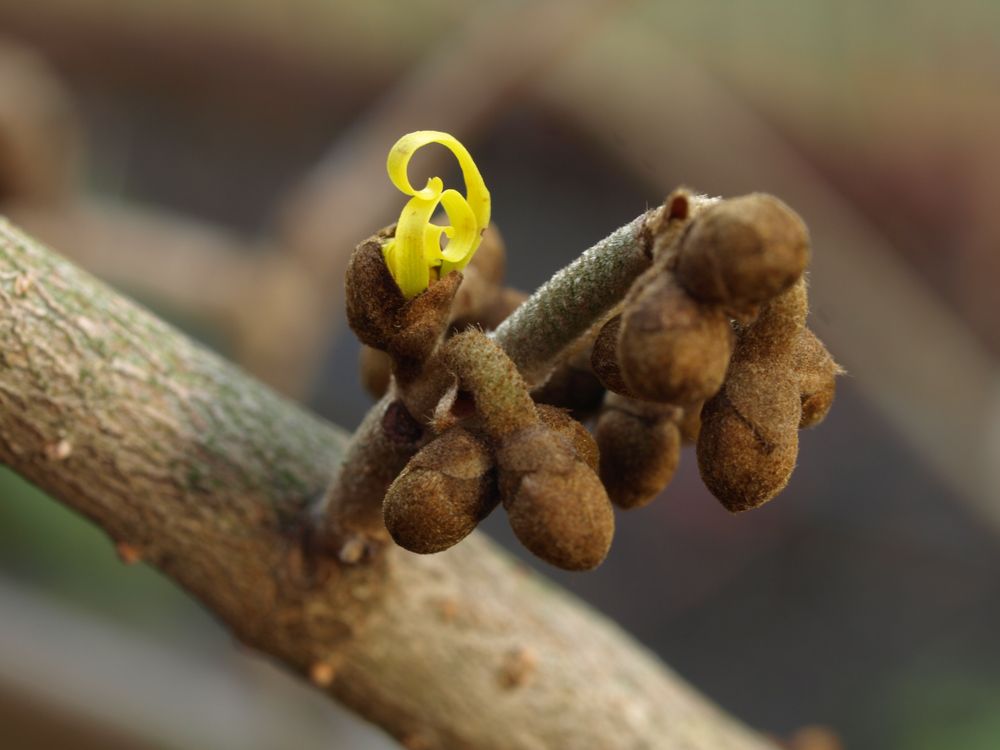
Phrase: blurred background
(219,160)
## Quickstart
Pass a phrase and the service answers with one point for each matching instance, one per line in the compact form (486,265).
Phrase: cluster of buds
(534,459)
(708,346)
(488,441)
(711,347)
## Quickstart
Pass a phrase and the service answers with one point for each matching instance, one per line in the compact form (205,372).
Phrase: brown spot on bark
(518,666)
(129,554)
(59,451)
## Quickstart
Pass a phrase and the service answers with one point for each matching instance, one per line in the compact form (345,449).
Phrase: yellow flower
(416,248)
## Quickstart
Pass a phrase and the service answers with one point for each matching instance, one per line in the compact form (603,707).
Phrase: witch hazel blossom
(415,253)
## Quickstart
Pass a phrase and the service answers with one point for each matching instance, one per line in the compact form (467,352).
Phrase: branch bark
(208,474)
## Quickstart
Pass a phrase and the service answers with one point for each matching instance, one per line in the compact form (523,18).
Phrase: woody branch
(207,474)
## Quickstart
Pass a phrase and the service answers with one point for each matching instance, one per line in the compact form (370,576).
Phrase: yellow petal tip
(416,248)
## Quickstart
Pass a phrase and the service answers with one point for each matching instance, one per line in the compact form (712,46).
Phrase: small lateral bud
(372,297)
(442,494)
(23,284)
(556,505)
(639,446)
(743,251)
(817,373)
(672,349)
(749,438)
(749,441)
(670,221)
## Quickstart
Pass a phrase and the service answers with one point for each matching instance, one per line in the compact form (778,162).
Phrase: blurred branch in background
(101,685)
(196,269)
(39,133)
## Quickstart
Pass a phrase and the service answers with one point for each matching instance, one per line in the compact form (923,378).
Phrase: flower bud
(744,251)
(672,349)
(817,373)
(639,448)
(749,437)
(373,298)
(749,442)
(556,505)
(442,494)
(604,357)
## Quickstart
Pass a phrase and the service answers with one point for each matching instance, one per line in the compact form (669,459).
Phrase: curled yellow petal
(416,247)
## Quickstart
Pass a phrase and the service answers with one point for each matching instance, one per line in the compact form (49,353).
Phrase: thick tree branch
(207,473)
(267,307)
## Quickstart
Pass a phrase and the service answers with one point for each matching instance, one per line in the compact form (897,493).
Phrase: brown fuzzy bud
(409,330)
(639,446)
(749,441)
(743,251)
(604,357)
(749,437)
(772,336)
(671,349)
(375,368)
(557,506)
(673,218)
(442,494)
(817,373)
(560,421)
(372,296)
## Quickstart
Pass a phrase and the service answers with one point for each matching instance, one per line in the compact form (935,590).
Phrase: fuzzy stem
(502,398)
(539,332)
